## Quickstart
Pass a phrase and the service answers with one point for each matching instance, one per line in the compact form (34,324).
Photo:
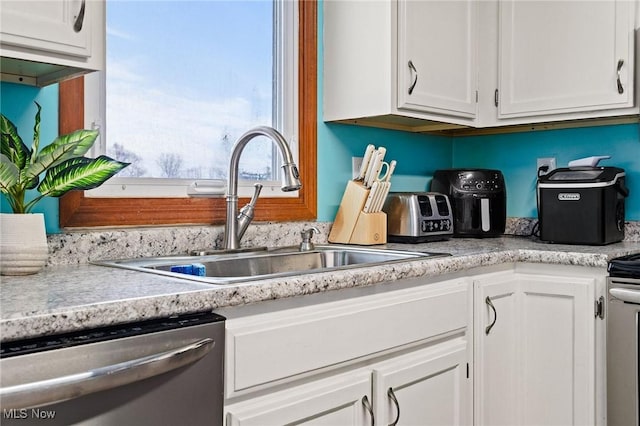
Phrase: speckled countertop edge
(75,297)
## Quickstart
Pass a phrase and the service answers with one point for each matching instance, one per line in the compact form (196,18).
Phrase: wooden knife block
(352,225)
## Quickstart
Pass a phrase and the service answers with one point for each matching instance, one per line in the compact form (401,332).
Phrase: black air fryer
(478,199)
(582,205)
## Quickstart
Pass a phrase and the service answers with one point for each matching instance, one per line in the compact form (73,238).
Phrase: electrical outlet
(550,162)
(356,162)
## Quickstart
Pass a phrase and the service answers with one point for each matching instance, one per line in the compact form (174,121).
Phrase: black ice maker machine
(582,205)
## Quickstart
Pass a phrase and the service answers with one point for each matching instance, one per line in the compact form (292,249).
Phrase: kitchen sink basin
(237,267)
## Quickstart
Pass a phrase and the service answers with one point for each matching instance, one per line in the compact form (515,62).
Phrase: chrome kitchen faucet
(236,223)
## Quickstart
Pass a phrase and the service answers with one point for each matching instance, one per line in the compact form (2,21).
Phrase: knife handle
(374,171)
(368,205)
(392,167)
(369,177)
(366,159)
(368,180)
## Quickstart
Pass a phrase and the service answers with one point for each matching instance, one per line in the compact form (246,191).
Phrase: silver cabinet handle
(392,395)
(72,386)
(495,315)
(620,64)
(77,25)
(367,405)
(415,79)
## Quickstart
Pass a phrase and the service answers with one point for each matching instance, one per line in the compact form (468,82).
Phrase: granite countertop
(74,297)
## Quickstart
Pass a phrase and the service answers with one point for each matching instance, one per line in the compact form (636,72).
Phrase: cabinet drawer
(269,348)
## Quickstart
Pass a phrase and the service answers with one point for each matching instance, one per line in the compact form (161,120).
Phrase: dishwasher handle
(49,391)
(625,295)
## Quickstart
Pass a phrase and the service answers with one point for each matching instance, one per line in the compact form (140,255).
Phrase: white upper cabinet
(42,42)
(54,26)
(565,56)
(437,58)
(434,65)
(397,62)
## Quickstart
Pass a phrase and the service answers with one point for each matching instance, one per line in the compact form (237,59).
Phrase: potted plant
(23,242)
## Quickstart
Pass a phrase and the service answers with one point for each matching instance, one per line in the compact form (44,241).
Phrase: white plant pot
(23,243)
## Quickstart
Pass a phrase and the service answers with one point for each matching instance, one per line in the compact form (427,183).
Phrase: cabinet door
(429,387)
(437,56)
(557,350)
(496,354)
(57,26)
(536,365)
(344,400)
(565,56)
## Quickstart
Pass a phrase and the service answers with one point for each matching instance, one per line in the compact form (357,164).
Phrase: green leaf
(79,173)
(9,174)
(36,137)
(11,144)
(74,144)
(82,140)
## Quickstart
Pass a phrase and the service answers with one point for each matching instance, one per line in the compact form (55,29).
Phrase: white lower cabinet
(426,387)
(495,353)
(429,387)
(335,363)
(342,400)
(511,345)
(535,347)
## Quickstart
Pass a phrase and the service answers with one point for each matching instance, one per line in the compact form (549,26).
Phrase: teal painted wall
(417,157)
(515,155)
(17,104)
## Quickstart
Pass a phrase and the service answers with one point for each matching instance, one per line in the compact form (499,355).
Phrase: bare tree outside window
(135,169)
(170,164)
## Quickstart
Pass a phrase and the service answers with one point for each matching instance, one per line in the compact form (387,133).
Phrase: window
(79,210)
(180,91)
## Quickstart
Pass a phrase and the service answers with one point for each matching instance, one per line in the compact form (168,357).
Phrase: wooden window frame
(76,210)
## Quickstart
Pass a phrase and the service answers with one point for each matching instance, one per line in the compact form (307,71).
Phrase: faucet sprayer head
(290,177)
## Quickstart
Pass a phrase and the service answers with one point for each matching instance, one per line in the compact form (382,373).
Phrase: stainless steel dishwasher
(623,340)
(165,371)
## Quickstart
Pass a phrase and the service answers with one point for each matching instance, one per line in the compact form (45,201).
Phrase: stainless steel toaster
(416,217)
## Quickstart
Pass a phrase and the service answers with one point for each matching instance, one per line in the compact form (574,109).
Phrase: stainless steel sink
(234,268)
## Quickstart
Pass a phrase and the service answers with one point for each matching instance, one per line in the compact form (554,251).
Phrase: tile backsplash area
(85,246)
(91,245)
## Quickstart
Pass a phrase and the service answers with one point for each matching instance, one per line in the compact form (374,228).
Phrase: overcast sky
(180,74)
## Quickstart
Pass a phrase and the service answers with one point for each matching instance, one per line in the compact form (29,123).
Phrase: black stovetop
(625,266)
